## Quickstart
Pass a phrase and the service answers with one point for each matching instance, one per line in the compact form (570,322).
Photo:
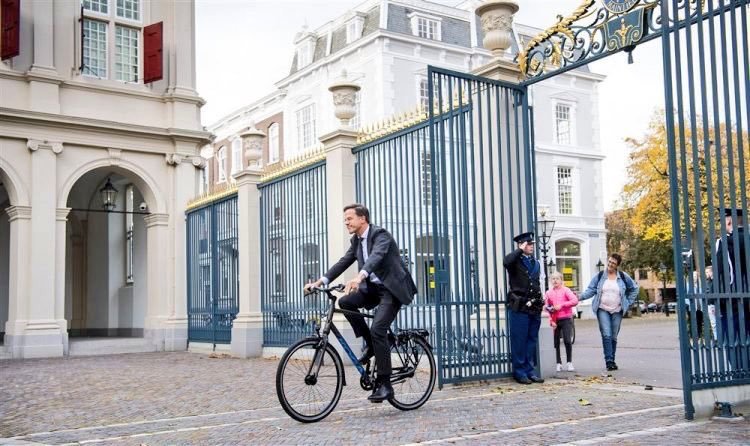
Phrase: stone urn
(344,101)
(252,143)
(496,17)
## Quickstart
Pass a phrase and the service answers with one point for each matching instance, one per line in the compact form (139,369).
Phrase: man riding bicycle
(383,280)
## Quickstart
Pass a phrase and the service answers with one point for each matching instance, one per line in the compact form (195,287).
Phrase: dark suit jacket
(522,286)
(739,275)
(383,259)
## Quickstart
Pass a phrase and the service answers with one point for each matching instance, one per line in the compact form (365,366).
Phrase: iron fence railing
(294,251)
(212,270)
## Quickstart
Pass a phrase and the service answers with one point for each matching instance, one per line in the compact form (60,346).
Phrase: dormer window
(425,26)
(354,28)
(304,56)
(305,50)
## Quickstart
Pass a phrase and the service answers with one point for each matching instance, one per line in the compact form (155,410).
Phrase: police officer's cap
(728,212)
(527,237)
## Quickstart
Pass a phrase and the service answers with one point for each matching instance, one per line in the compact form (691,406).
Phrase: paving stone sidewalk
(183,398)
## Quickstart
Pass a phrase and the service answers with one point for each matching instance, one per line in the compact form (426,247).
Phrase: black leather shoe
(536,379)
(611,366)
(523,380)
(366,356)
(381,393)
(614,365)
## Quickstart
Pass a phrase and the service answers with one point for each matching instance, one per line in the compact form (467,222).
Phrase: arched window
(221,161)
(236,155)
(273,143)
(568,259)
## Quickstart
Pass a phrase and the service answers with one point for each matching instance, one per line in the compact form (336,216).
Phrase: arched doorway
(106,291)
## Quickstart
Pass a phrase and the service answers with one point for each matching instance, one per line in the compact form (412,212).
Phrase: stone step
(108,346)
(4,353)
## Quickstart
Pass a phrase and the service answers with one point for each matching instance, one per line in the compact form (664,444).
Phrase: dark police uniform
(736,276)
(525,304)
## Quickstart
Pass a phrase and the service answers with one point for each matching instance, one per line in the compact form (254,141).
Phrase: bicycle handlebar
(327,290)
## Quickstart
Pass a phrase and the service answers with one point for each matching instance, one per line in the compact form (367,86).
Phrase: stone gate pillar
(247,329)
(496,18)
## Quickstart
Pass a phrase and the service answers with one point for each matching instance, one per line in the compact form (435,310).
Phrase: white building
(85,101)
(385,46)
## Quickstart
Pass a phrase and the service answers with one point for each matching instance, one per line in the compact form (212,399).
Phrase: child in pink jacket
(559,302)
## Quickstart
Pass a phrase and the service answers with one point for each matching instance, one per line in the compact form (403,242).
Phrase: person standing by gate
(613,292)
(383,281)
(736,276)
(559,302)
(524,307)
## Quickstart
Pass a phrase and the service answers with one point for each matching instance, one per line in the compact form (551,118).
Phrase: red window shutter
(10,23)
(153,61)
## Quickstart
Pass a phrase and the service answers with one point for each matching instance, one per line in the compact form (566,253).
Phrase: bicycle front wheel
(309,380)
(413,376)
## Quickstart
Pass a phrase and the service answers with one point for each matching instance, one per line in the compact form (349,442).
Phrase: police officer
(525,304)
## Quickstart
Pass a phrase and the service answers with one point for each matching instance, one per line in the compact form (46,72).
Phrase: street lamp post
(663,271)
(545,228)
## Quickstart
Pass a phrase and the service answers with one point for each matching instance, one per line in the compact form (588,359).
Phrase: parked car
(672,307)
(652,307)
(643,306)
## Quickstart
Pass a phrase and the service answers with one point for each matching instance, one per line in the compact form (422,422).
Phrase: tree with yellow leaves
(710,171)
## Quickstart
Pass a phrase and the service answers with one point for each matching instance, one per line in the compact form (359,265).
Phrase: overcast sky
(245,46)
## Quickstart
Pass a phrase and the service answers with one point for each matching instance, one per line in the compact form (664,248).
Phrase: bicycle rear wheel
(309,380)
(413,376)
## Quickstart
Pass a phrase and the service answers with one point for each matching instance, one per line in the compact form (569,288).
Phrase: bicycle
(310,376)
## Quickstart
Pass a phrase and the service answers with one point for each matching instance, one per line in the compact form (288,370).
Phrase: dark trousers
(698,321)
(376,336)
(564,329)
(524,337)
(731,338)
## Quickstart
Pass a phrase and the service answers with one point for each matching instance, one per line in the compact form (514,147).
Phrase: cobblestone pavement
(183,398)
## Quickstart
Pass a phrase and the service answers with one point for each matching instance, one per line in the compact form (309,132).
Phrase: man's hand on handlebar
(310,286)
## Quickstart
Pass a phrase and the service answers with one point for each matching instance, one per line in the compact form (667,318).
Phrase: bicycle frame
(329,327)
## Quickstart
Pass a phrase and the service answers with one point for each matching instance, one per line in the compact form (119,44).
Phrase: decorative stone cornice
(62,214)
(36,144)
(156,220)
(104,126)
(19,213)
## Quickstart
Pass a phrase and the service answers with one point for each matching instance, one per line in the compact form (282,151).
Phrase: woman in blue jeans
(613,292)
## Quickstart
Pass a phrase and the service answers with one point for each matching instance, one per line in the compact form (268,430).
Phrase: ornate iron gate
(213,279)
(452,188)
(483,194)
(706,66)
